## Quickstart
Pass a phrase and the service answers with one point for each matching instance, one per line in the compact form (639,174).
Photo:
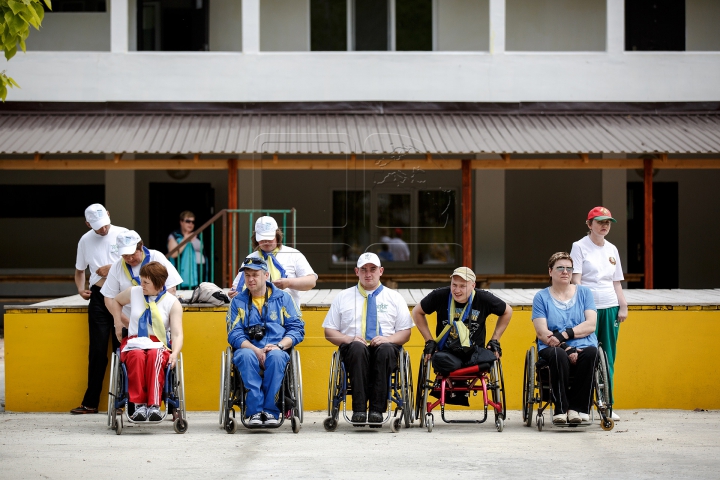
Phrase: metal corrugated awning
(321,134)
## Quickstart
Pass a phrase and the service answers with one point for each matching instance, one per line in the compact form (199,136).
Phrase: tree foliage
(16,16)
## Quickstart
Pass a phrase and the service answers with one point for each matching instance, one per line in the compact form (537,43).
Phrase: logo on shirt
(612,260)
(273,316)
(114,248)
(382,307)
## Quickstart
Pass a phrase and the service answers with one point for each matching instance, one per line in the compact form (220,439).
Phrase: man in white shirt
(97,251)
(369,323)
(125,273)
(289,269)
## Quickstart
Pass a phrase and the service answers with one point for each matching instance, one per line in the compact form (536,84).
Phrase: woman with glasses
(597,266)
(189,260)
(564,317)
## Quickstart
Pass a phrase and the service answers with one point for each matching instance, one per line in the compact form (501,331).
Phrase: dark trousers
(369,369)
(101,326)
(571,393)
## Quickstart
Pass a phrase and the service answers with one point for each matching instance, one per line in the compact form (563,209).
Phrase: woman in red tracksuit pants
(146,351)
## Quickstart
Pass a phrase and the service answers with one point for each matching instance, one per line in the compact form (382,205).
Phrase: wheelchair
(233,393)
(537,390)
(483,378)
(400,393)
(173,397)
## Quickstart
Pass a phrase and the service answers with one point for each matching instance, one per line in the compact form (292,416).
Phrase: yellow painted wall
(46,359)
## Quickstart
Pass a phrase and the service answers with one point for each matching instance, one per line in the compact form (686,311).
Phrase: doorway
(665,233)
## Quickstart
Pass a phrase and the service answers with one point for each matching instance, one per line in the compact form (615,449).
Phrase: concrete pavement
(646,444)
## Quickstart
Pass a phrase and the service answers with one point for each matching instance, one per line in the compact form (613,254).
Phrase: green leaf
(22,45)
(9,53)
(15,6)
(49,4)
(39,11)
(13,82)
(3,93)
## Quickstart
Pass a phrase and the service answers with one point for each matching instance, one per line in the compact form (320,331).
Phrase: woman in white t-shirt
(597,266)
(147,349)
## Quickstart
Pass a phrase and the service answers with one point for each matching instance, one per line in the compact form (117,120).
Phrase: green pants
(607,330)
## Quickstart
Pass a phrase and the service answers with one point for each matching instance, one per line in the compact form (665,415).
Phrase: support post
(648,181)
(467,243)
(232,205)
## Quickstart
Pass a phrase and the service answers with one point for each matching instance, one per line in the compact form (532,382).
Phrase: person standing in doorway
(189,260)
(97,250)
(597,266)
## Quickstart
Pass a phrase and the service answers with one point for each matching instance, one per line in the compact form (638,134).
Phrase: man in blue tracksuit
(263,323)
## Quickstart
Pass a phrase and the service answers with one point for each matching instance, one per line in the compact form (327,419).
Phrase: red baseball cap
(600,213)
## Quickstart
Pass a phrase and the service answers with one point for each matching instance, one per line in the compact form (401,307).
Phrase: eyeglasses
(564,269)
(254,261)
(187,220)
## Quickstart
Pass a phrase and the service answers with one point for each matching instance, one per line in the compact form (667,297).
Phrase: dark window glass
(371,25)
(655,25)
(413,28)
(49,201)
(328,25)
(436,235)
(351,225)
(173,25)
(393,210)
(77,6)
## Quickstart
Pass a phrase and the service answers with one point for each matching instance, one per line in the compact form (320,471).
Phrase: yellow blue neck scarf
(370,326)
(459,325)
(276,270)
(152,316)
(128,269)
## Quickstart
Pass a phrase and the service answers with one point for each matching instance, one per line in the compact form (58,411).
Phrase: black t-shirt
(483,305)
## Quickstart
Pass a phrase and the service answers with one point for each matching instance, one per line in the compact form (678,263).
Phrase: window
(77,6)
(369,26)
(49,201)
(411,229)
(655,25)
(172,25)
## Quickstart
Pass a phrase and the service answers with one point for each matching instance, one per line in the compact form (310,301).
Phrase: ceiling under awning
(332,134)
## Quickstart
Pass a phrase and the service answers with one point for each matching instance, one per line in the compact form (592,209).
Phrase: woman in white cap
(596,264)
(289,269)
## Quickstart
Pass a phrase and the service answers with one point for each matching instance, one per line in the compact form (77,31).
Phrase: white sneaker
(270,419)
(584,417)
(140,414)
(153,413)
(255,419)
(615,417)
(560,419)
(573,417)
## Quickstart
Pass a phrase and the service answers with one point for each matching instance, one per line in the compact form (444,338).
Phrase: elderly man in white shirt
(125,273)
(369,323)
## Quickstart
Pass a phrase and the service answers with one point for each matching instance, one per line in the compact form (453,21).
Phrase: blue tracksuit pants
(262,391)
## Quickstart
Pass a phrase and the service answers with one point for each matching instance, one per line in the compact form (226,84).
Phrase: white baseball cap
(368,257)
(97,216)
(127,242)
(265,228)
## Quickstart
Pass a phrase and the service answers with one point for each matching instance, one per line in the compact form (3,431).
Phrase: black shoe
(375,417)
(358,419)
(82,409)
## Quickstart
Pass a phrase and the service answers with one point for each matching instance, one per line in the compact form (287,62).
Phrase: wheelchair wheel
(111,391)
(421,385)
(180,379)
(118,425)
(230,426)
(223,377)
(226,421)
(498,391)
(116,394)
(396,424)
(334,388)
(528,400)
(330,424)
(407,388)
(296,424)
(180,425)
(297,382)
(602,382)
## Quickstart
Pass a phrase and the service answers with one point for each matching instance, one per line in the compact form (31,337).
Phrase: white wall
(555,25)
(284,25)
(702,20)
(225,26)
(463,25)
(82,31)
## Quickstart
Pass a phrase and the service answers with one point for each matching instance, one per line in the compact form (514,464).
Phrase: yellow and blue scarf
(276,270)
(135,281)
(152,316)
(459,325)
(370,326)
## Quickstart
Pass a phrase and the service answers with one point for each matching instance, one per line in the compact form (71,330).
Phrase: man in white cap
(97,250)
(125,273)
(369,323)
(462,310)
(289,269)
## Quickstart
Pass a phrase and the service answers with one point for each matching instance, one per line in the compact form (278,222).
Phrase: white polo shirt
(118,282)
(295,265)
(345,314)
(599,267)
(96,251)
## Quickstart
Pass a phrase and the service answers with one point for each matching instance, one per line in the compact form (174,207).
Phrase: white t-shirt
(118,282)
(345,314)
(137,304)
(96,251)
(599,267)
(295,265)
